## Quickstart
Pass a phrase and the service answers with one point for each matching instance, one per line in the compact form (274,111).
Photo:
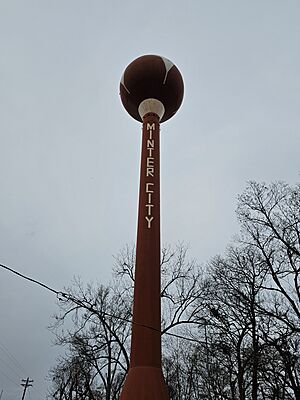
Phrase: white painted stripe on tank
(123,83)
(168,66)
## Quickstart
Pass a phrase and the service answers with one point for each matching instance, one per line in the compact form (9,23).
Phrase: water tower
(151,91)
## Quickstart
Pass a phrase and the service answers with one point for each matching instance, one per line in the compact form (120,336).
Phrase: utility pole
(26,384)
(1,394)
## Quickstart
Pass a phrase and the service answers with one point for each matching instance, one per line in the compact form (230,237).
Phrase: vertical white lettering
(149,220)
(150,172)
(149,206)
(150,161)
(147,187)
(150,127)
(150,151)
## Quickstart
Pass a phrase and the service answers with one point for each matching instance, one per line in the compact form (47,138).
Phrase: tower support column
(145,379)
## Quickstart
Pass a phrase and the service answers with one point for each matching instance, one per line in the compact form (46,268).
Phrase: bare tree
(73,378)
(182,289)
(99,335)
(270,222)
(235,292)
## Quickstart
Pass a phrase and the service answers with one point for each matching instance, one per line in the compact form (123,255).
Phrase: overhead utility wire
(12,358)
(80,303)
(6,364)
(29,279)
(7,377)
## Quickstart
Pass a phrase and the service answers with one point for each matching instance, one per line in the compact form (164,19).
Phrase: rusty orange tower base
(151,91)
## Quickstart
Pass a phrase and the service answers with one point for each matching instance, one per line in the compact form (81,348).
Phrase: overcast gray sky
(69,162)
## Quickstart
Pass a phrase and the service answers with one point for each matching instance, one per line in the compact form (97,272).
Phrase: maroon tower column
(146,305)
(151,91)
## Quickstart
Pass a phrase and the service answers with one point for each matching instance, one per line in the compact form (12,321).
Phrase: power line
(10,367)
(28,279)
(81,304)
(12,358)
(7,377)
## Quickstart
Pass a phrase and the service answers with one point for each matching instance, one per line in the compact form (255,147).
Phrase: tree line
(230,329)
